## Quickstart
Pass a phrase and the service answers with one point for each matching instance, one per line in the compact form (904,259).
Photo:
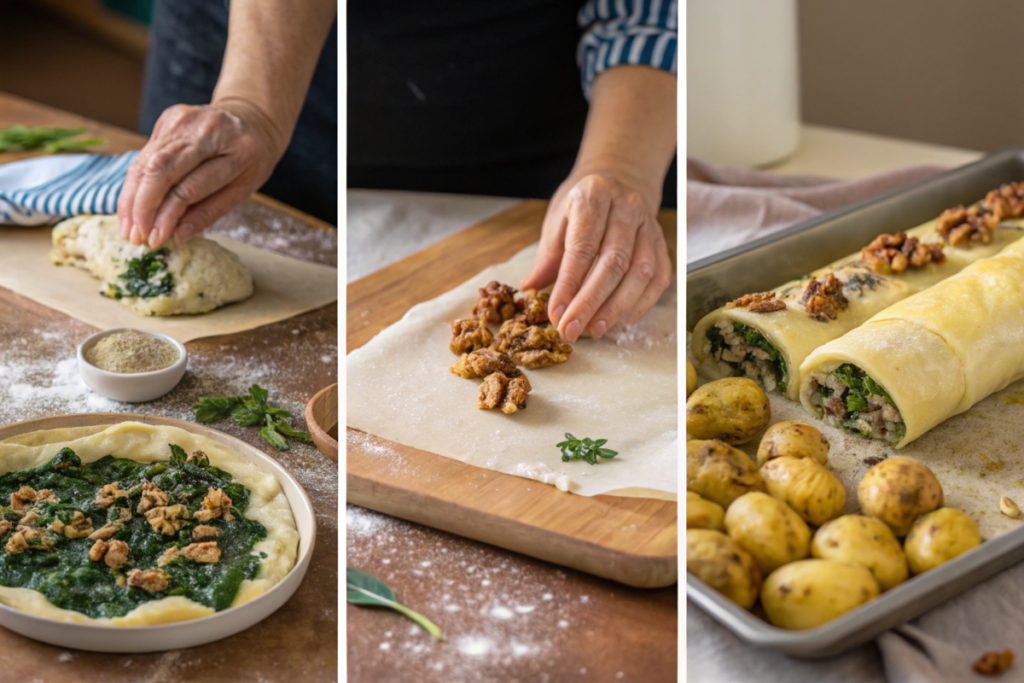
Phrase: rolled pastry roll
(926,358)
(770,346)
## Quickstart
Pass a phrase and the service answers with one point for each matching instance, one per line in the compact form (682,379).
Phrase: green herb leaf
(146,277)
(251,410)
(274,438)
(215,408)
(363,589)
(25,138)
(584,449)
(178,455)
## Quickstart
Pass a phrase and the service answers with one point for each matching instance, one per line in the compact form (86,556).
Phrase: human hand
(200,162)
(602,240)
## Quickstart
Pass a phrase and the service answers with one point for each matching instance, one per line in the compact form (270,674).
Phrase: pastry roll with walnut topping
(766,336)
(926,358)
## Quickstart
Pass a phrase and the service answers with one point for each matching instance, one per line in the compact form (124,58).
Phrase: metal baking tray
(765,263)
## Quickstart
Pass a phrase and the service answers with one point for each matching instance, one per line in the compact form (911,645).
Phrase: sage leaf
(366,590)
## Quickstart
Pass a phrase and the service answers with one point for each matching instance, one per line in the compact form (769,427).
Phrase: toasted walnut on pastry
(470,335)
(481,363)
(529,345)
(507,393)
(496,303)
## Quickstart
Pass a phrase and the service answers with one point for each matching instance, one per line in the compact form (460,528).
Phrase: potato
(732,410)
(807,487)
(767,529)
(719,472)
(721,563)
(691,378)
(897,491)
(810,593)
(793,439)
(703,514)
(938,537)
(862,540)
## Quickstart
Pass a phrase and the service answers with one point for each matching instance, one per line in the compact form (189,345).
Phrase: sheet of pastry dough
(796,334)
(149,443)
(942,350)
(622,387)
(285,287)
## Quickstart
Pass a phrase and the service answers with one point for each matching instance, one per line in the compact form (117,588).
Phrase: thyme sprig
(584,449)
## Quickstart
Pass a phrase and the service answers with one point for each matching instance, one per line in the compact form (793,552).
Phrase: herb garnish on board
(584,449)
(251,410)
(25,138)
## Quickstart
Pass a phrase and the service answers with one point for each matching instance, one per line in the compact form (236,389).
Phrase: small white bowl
(137,387)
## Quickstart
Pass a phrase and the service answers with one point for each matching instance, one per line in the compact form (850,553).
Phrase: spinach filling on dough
(749,353)
(848,398)
(144,277)
(102,548)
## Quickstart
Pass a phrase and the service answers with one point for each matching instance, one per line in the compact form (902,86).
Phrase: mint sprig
(251,410)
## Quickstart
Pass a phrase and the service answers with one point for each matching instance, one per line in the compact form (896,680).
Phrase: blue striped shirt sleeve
(617,32)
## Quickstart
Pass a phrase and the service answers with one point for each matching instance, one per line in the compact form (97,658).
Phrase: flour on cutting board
(622,388)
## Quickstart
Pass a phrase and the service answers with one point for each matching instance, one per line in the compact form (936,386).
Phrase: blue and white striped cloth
(619,32)
(44,190)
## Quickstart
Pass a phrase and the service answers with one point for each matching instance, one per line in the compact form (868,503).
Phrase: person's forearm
(272,50)
(631,128)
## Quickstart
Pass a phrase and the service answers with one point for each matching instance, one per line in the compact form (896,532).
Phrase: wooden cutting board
(630,540)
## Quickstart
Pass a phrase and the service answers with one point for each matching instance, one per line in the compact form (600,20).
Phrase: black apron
(465,96)
(187,43)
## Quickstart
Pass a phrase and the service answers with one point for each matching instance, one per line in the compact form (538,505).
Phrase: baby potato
(721,563)
(793,439)
(862,540)
(733,410)
(897,491)
(810,593)
(691,378)
(807,487)
(720,473)
(703,514)
(767,529)
(938,537)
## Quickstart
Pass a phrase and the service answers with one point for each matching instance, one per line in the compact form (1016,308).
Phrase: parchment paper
(622,387)
(284,288)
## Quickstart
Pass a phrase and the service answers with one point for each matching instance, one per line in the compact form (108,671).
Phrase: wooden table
(506,617)
(293,359)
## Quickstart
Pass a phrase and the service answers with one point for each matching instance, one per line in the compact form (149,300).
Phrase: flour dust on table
(622,388)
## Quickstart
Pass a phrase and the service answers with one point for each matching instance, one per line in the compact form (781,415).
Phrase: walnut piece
(149,580)
(80,526)
(216,504)
(824,298)
(152,497)
(26,494)
(961,227)
(530,346)
(1007,201)
(994,663)
(499,390)
(106,496)
(481,363)
(205,531)
(30,518)
(470,335)
(207,553)
(26,538)
(762,302)
(167,520)
(496,304)
(105,531)
(113,553)
(534,305)
(895,253)
(5,526)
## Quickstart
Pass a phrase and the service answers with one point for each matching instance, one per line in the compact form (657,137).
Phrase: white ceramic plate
(193,632)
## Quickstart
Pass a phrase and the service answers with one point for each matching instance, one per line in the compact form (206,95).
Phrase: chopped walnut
(762,302)
(1007,201)
(824,298)
(207,553)
(481,363)
(509,394)
(534,305)
(529,345)
(5,526)
(168,556)
(26,494)
(961,227)
(80,526)
(113,553)
(30,518)
(496,304)
(26,538)
(195,456)
(216,504)
(105,531)
(152,497)
(150,580)
(106,496)
(205,531)
(470,335)
(167,520)
(895,253)
(994,663)
(123,514)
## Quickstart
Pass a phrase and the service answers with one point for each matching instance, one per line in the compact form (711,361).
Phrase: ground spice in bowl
(132,352)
